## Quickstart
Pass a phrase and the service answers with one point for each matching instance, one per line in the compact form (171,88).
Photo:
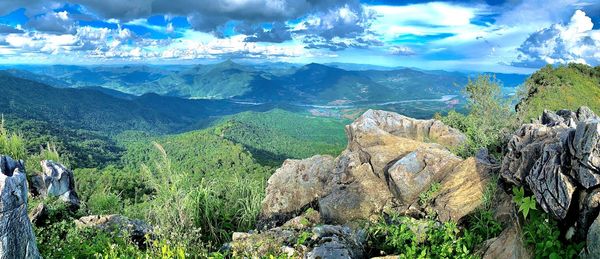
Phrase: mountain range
(308,84)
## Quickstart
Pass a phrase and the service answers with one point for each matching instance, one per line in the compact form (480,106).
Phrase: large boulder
(56,181)
(294,186)
(17,239)
(558,159)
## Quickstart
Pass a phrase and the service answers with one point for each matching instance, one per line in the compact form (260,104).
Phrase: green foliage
(561,87)
(425,197)
(11,144)
(541,232)
(525,204)
(489,119)
(277,135)
(442,240)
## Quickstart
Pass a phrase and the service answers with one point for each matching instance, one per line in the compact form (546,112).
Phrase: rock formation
(389,161)
(558,159)
(56,181)
(16,234)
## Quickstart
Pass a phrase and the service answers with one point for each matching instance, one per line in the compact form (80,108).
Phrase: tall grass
(200,214)
(11,144)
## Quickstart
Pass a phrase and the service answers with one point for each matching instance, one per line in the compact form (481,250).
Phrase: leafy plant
(525,204)
(425,197)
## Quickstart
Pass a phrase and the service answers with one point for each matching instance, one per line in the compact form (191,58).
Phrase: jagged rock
(337,242)
(592,249)
(17,239)
(357,193)
(462,190)
(549,181)
(137,230)
(58,181)
(586,147)
(294,186)
(589,208)
(508,245)
(415,172)
(39,215)
(558,159)
(525,147)
(272,241)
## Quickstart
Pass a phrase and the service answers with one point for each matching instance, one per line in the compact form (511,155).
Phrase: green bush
(540,231)
(11,144)
(489,120)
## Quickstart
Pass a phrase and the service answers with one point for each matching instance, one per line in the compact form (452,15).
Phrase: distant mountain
(92,109)
(335,83)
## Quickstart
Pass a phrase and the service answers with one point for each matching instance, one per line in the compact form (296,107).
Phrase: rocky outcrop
(293,187)
(137,230)
(301,237)
(390,160)
(16,234)
(56,181)
(558,159)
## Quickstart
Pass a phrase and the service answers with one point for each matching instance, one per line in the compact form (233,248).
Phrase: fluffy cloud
(5,29)
(575,41)
(401,51)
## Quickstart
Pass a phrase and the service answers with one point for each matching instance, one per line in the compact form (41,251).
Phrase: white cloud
(575,41)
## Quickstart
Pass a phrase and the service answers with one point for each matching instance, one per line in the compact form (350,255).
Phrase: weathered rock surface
(136,229)
(558,159)
(56,181)
(357,192)
(415,172)
(294,186)
(17,239)
(592,249)
(508,245)
(375,122)
(462,190)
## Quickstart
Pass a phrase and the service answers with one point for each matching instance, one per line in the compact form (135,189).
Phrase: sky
(516,36)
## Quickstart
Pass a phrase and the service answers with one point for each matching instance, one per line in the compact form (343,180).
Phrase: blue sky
(493,35)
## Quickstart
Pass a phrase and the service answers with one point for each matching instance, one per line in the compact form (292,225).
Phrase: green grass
(563,87)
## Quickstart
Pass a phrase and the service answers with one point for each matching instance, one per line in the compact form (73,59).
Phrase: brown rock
(357,193)
(294,186)
(462,190)
(415,172)
(509,245)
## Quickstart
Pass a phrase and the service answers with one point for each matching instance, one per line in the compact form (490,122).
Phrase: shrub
(490,117)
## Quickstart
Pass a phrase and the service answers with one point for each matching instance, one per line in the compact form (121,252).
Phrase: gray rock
(59,182)
(17,239)
(551,184)
(559,161)
(293,187)
(592,249)
(337,242)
